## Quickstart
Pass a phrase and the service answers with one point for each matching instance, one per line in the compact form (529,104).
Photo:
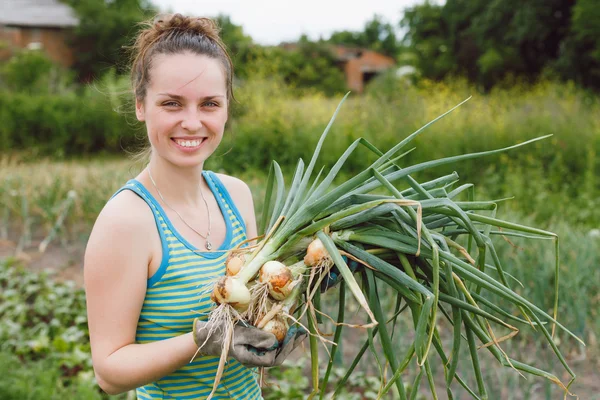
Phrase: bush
(41,319)
(32,72)
(41,380)
(44,338)
(74,123)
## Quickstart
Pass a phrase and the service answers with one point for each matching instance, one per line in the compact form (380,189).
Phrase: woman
(163,237)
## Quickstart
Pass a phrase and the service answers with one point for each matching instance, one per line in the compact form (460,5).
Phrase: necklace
(207,244)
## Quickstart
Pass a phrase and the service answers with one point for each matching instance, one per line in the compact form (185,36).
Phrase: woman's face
(185,109)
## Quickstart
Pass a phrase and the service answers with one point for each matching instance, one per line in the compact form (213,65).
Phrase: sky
(270,22)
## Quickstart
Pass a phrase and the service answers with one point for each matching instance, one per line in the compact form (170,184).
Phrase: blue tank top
(177,293)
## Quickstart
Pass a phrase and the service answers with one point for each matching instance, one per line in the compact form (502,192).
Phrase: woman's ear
(139,110)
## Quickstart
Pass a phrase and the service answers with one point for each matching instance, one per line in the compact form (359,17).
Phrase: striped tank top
(177,293)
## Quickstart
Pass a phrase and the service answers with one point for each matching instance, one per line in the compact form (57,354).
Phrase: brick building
(361,65)
(37,24)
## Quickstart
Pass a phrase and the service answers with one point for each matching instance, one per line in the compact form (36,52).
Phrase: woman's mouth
(188,145)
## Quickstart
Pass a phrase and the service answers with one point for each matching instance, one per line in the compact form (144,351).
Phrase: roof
(37,13)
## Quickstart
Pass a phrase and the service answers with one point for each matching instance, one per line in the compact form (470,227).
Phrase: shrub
(74,123)
(43,319)
(41,380)
(31,71)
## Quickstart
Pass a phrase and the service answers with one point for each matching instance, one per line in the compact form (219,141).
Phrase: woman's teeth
(188,143)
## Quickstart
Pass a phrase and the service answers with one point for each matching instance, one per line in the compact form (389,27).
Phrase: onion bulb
(231,291)
(277,327)
(278,279)
(315,253)
(235,263)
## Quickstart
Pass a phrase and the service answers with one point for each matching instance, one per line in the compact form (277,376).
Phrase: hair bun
(199,25)
(172,34)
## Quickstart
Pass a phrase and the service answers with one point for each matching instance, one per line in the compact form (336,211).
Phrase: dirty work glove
(295,336)
(251,346)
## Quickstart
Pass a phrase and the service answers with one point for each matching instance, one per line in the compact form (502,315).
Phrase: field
(49,206)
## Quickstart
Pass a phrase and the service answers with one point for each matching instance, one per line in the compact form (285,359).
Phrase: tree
(518,37)
(462,42)
(579,55)
(105,29)
(488,40)
(377,35)
(312,65)
(239,45)
(428,38)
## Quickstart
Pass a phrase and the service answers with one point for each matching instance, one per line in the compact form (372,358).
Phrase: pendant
(208,245)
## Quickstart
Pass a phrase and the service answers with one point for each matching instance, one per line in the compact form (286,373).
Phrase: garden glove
(251,346)
(295,336)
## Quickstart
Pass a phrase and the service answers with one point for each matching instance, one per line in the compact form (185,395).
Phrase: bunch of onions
(407,241)
(233,288)
(239,296)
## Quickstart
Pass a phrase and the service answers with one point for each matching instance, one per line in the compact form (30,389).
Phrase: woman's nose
(192,121)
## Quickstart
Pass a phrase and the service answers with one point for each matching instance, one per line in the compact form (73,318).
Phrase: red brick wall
(54,42)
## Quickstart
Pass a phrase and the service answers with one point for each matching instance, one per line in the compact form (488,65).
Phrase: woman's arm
(115,274)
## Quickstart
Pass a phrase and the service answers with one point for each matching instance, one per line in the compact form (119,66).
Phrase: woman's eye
(211,104)
(171,104)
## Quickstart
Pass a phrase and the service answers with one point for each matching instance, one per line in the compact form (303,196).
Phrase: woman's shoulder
(235,186)
(240,194)
(125,212)
(122,236)
(239,191)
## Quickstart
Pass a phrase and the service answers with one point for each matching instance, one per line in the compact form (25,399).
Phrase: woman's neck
(179,186)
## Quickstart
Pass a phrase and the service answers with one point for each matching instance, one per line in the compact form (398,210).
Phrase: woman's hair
(175,34)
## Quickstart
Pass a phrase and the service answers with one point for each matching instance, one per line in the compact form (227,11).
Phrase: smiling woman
(185,107)
(150,255)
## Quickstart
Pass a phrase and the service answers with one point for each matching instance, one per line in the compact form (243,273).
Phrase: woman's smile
(189,144)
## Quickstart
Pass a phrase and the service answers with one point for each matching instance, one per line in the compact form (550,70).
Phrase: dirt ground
(66,263)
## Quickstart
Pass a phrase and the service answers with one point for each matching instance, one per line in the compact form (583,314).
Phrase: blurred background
(67,131)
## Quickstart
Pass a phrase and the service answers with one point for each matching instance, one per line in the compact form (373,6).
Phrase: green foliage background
(532,67)
(491,41)
(271,121)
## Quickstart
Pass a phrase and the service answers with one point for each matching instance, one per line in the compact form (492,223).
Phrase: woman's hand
(251,346)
